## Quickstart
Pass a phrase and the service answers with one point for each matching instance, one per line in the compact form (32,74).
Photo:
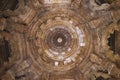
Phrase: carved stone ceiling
(60,40)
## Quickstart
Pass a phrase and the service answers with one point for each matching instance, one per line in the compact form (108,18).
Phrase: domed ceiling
(60,40)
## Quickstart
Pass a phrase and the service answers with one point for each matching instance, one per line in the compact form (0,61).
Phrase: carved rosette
(106,34)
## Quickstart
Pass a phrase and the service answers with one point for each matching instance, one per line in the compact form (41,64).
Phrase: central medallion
(58,39)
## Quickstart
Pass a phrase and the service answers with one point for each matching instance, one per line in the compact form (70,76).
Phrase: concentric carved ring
(62,42)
